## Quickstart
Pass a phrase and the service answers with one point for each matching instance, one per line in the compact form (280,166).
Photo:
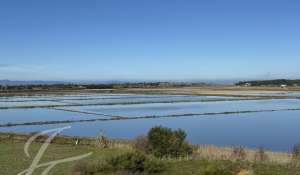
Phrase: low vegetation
(127,163)
(163,142)
(239,153)
(260,155)
(163,151)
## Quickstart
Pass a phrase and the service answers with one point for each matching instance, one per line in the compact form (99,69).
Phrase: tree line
(277,82)
(95,86)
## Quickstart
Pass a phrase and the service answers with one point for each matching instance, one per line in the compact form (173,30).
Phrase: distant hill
(17,83)
(277,82)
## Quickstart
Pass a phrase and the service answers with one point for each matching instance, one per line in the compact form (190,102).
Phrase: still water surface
(277,130)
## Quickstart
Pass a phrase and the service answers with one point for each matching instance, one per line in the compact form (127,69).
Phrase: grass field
(13,161)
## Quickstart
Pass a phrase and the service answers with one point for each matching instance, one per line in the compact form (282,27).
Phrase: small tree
(165,142)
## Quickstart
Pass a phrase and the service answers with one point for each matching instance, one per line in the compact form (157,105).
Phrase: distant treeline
(38,87)
(95,86)
(278,82)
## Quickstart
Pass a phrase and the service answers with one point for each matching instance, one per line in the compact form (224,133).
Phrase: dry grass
(199,151)
(212,90)
(215,153)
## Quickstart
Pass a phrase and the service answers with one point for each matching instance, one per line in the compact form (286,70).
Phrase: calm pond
(223,121)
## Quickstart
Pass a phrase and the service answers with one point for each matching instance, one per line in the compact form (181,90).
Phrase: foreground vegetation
(162,151)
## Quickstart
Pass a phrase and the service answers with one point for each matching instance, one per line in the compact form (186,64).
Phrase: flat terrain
(201,90)
(209,160)
(205,160)
(213,90)
(252,115)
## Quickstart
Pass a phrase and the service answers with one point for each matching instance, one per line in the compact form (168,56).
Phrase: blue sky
(149,39)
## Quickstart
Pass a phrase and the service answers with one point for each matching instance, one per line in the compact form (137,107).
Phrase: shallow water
(39,115)
(101,99)
(162,109)
(283,94)
(277,130)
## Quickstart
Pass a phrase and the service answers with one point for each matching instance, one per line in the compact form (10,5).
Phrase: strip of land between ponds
(143,117)
(134,103)
(89,113)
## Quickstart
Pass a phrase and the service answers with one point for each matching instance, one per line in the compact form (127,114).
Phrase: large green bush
(136,162)
(127,163)
(164,142)
(133,162)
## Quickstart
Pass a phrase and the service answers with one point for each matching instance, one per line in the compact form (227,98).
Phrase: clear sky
(149,39)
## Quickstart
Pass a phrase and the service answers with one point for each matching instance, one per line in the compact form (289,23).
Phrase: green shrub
(215,169)
(129,161)
(84,168)
(165,142)
(245,172)
(153,166)
(135,162)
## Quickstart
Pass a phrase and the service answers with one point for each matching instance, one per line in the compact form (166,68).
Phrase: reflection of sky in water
(288,94)
(100,99)
(38,114)
(139,110)
(273,130)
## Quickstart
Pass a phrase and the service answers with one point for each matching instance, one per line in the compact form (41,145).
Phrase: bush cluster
(164,142)
(131,163)
(160,142)
(136,162)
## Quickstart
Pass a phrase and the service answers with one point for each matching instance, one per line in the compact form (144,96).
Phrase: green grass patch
(125,161)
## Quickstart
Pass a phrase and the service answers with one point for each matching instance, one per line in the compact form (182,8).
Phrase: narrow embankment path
(144,117)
